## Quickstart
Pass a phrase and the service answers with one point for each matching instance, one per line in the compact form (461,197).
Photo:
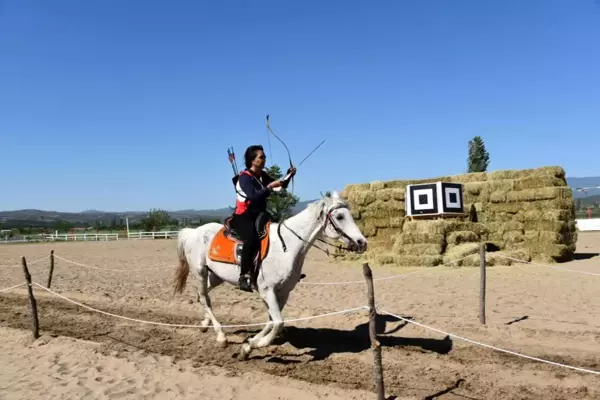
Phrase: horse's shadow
(323,342)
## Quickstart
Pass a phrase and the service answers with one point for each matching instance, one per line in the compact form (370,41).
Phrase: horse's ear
(328,194)
(335,194)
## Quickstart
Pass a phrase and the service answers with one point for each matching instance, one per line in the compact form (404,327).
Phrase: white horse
(279,272)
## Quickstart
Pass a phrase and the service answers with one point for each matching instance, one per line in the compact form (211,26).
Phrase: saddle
(226,247)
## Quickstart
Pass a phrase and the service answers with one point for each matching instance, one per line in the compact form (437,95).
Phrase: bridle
(328,220)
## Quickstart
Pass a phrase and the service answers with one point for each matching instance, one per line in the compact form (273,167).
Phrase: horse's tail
(183,269)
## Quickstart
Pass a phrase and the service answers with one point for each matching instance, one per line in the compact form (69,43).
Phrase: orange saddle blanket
(226,247)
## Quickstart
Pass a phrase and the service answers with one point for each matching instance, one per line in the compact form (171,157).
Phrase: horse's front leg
(261,334)
(276,324)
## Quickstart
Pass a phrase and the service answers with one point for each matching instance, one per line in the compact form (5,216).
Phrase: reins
(328,220)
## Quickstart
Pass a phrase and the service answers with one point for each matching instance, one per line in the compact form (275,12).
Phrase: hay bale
(377,185)
(547,252)
(455,225)
(512,237)
(383,194)
(381,205)
(496,258)
(395,184)
(498,196)
(428,249)
(461,237)
(472,260)
(474,188)
(385,223)
(388,232)
(548,225)
(383,259)
(417,261)
(494,208)
(469,178)
(518,254)
(421,238)
(552,171)
(431,226)
(399,194)
(537,182)
(454,255)
(368,230)
(545,193)
(357,187)
(547,214)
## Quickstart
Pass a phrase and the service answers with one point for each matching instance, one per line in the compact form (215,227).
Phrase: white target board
(438,198)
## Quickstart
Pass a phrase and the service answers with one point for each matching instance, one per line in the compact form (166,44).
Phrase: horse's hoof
(204,329)
(222,343)
(244,352)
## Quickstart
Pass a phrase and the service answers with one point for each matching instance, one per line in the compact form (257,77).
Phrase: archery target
(434,198)
(423,199)
(452,193)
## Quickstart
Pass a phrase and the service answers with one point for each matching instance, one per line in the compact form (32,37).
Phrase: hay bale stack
(378,210)
(436,241)
(529,213)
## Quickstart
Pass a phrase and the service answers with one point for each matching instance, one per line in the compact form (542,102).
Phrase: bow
(286,148)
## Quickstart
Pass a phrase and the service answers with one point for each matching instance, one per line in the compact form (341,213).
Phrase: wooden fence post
(51,269)
(482,283)
(375,345)
(35,327)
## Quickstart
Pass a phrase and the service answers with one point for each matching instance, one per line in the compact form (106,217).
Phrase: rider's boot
(244,283)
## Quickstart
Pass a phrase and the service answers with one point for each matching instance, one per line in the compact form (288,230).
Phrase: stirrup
(244,283)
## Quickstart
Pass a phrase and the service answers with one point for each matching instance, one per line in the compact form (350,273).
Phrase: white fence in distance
(590,224)
(83,237)
(153,235)
(87,237)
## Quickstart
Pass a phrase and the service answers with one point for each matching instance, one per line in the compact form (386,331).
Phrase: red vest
(241,202)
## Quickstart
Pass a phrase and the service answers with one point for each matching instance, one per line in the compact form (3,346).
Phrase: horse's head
(339,223)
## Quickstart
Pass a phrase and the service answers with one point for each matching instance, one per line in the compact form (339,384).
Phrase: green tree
(479,158)
(156,219)
(280,204)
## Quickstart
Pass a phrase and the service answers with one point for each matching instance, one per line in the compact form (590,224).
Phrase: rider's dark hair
(250,154)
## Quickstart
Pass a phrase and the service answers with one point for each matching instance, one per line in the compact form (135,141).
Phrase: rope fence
(194,326)
(12,287)
(112,270)
(548,266)
(490,346)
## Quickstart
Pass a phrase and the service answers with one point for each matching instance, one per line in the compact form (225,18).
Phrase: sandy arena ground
(537,311)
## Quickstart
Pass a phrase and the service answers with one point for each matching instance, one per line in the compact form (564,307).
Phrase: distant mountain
(590,200)
(575,183)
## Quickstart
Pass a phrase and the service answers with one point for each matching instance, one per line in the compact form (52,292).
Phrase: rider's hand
(291,171)
(274,184)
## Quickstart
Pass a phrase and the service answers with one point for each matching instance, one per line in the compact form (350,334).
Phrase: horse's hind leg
(203,278)
(213,282)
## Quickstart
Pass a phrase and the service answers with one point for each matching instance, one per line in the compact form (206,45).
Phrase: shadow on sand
(585,256)
(323,342)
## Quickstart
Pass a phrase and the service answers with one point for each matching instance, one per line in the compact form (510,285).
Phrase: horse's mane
(325,201)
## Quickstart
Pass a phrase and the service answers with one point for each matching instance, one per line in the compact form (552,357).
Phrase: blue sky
(128,105)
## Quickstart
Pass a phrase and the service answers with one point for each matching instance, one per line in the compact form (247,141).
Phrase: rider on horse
(253,186)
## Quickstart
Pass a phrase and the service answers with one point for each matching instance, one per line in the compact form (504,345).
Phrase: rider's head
(255,157)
